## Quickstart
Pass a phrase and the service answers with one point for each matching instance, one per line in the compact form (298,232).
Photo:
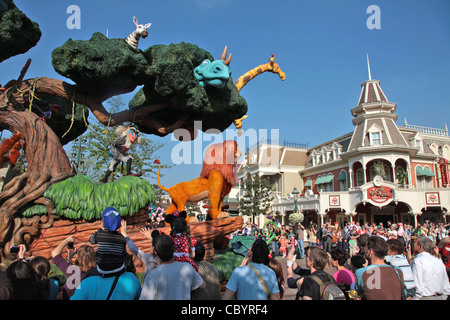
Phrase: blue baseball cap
(111,219)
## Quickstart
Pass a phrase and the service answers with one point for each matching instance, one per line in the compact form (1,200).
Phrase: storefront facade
(380,172)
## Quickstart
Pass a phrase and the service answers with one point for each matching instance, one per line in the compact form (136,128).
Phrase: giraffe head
(214,73)
(275,68)
(141,29)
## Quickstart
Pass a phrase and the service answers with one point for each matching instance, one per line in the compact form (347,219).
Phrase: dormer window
(418,142)
(375,138)
(375,135)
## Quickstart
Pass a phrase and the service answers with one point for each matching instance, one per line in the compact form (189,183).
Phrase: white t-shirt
(173,281)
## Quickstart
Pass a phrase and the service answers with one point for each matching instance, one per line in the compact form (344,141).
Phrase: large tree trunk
(47,163)
(42,147)
(46,159)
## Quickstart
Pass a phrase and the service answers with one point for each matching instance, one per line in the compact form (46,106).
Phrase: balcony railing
(427,130)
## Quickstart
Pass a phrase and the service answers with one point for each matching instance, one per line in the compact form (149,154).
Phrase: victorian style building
(379,172)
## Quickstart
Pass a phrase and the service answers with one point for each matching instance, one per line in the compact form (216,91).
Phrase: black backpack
(329,290)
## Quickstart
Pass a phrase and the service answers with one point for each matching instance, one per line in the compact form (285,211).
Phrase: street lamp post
(295,193)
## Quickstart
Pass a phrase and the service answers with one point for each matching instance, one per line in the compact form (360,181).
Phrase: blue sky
(320,45)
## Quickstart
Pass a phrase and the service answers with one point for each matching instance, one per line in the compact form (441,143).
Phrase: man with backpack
(319,285)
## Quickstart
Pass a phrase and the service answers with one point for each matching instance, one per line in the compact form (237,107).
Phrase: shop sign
(380,194)
(335,201)
(432,198)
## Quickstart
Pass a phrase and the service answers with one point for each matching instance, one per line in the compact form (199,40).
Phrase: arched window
(424,177)
(343,186)
(359,177)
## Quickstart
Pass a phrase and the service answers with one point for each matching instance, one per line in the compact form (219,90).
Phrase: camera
(14,249)
(70,245)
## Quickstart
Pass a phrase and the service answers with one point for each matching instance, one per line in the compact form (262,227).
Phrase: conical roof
(371,92)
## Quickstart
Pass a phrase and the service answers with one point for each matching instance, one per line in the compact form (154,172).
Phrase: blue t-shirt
(247,286)
(97,288)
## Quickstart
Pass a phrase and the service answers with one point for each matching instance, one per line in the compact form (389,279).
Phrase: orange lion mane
(220,157)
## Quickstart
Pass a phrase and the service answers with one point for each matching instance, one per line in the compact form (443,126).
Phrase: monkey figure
(127,136)
(12,147)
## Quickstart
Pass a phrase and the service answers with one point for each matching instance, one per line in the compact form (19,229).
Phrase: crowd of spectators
(369,262)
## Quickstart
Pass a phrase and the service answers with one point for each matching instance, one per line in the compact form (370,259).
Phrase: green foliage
(81,198)
(18,33)
(171,80)
(255,199)
(226,261)
(101,66)
(107,67)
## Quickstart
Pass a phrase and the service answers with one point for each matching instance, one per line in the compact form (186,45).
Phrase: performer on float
(127,137)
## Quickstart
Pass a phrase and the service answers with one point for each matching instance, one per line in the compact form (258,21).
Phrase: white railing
(427,130)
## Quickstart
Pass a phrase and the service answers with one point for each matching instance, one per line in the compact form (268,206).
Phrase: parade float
(50,202)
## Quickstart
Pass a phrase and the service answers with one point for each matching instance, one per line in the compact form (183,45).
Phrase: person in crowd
(180,232)
(122,285)
(20,281)
(392,232)
(255,271)
(283,246)
(41,266)
(111,249)
(149,260)
(396,257)
(210,275)
(388,283)
(344,277)
(6,289)
(430,276)
(356,262)
(274,243)
(301,240)
(276,266)
(317,260)
(353,245)
(73,270)
(172,280)
(327,236)
(362,242)
(401,233)
(24,283)
(312,233)
(293,269)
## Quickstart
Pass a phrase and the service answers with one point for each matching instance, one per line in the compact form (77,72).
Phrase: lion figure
(214,183)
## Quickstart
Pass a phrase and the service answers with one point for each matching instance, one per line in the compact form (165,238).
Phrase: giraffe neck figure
(271,66)
(141,31)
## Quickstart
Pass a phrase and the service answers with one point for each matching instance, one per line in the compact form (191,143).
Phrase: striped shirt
(400,261)
(111,250)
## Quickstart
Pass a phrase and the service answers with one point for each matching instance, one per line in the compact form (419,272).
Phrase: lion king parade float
(42,206)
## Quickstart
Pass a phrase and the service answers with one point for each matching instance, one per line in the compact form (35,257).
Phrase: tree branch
(69,92)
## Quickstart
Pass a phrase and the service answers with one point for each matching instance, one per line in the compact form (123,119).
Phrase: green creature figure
(214,73)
